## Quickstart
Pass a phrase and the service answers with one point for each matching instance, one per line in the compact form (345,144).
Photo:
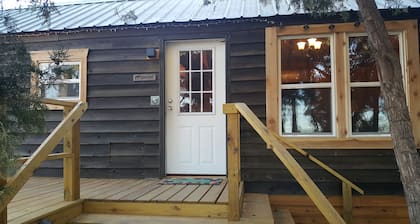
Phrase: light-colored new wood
(366,209)
(27,169)
(71,165)
(55,102)
(290,163)
(347,203)
(341,86)
(59,211)
(198,193)
(214,193)
(129,190)
(43,195)
(73,55)
(52,156)
(183,194)
(152,194)
(287,144)
(256,210)
(167,209)
(234,161)
(413,76)
(272,78)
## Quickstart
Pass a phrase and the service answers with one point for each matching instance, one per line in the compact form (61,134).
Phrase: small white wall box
(154,100)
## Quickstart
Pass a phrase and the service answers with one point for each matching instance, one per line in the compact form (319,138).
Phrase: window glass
(368,115)
(307,64)
(196,86)
(60,81)
(306,74)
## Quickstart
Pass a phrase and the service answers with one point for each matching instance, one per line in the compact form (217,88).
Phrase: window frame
(74,56)
(351,84)
(343,138)
(324,85)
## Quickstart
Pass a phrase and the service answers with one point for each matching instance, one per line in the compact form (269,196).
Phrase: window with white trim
(66,81)
(307,86)
(367,109)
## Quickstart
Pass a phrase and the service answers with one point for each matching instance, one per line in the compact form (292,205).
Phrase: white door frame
(216,120)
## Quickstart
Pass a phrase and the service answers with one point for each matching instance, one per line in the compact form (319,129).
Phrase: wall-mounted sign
(144,77)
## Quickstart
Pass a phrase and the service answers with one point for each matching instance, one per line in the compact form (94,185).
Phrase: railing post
(234,161)
(3,214)
(347,203)
(71,165)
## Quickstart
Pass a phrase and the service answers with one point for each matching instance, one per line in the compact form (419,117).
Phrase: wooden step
(256,209)
(283,216)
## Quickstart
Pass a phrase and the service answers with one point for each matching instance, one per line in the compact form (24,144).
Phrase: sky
(10,4)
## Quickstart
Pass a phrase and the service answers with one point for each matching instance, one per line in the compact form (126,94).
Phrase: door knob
(170,100)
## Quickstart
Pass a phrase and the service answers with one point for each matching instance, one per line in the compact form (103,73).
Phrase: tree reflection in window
(306,87)
(367,106)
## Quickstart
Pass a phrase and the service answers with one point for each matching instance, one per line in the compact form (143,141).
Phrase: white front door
(195,93)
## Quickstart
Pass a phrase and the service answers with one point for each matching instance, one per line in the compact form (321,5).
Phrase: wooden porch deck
(44,195)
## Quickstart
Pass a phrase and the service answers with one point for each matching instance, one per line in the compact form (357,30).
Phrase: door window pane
(207,59)
(196,82)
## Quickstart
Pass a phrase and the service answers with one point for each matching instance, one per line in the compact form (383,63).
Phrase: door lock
(170,100)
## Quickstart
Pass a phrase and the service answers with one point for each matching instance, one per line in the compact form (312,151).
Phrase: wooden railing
(69,130)
(279,146)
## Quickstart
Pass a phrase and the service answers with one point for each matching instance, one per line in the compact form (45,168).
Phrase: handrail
(53,156)
(59,102)
(289,162)
(65,127)
(318,162)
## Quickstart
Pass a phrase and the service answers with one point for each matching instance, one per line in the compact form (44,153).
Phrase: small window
(62,86)
(68,81)
(306,86)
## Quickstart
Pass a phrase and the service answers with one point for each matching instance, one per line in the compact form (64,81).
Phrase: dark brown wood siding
(121,133)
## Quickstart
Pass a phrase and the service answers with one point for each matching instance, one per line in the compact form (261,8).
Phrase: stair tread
(256,209)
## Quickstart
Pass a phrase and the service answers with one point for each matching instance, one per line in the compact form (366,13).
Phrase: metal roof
(110,13)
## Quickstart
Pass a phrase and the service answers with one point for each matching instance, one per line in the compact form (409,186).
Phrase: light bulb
(311,42)
(301,45)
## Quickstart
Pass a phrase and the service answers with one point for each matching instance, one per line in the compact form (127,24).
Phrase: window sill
(380,142)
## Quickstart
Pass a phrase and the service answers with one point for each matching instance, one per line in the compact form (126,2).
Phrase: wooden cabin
(243,81)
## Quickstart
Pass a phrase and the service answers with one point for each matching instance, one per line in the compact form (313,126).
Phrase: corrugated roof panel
(235,9)
(251,8)
(161,13)
(100,14)
(175,13)
(77,15)
(154,8)
(268,8)
(190,11)
(114,18)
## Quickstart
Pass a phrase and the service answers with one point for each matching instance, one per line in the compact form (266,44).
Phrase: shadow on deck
(42,199)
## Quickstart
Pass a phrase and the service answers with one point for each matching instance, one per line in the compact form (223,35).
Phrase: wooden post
(71,165)
(347,203)
(234,160)
(3,214)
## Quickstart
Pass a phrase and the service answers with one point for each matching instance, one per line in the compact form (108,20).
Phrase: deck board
(184,193)
(41,194)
